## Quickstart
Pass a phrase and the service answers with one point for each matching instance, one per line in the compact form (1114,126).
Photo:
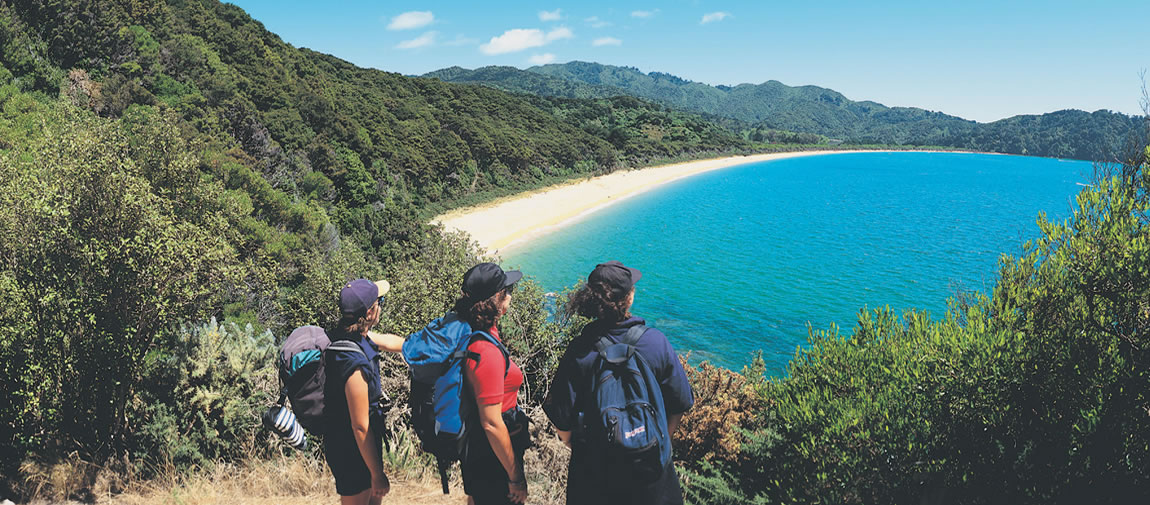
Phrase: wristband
(517,482)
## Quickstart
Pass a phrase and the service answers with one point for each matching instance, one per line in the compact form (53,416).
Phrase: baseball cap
(616,276)
(485,279)
(359,295)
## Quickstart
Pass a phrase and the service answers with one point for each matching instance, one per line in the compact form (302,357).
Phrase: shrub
(96,262)
(725,410)
(202,392)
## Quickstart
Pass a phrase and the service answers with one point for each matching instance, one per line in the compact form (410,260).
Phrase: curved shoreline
(502,224)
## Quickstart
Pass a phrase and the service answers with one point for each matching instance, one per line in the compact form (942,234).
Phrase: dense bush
(726,411)
(96,262)
(202,390)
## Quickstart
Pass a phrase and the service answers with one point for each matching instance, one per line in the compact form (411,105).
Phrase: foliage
(642,131)
(203,390)
(534,338)
(725,411)
(96,262)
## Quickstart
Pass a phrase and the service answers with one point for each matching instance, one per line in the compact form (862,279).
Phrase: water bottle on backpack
(282,422)
(302,375)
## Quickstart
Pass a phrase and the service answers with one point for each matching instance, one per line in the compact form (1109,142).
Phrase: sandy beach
(510,222)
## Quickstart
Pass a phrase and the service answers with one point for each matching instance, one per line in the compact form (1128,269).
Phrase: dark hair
(483,314)
(594,300)
(355,323)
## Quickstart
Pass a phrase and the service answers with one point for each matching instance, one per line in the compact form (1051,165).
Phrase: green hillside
(811,109)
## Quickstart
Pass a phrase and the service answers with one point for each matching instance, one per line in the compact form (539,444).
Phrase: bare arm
(358,406)
(386,341)
(673,423)
(491,418)
(565,437)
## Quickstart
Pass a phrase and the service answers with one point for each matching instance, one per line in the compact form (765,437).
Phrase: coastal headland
(509,222)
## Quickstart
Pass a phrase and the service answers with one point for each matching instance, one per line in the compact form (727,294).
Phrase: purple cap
(616,276)
(359,295)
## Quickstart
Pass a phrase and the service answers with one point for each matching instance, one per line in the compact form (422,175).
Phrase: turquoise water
(742,259)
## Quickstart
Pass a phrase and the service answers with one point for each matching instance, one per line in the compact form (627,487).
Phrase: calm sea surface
(744,258)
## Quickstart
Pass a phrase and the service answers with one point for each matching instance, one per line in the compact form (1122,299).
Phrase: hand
(517,490)
(380,486)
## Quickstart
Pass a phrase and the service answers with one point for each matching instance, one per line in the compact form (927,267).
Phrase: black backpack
(627,422)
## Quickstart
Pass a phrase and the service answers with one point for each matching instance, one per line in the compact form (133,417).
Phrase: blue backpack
(628,422)
(440,408)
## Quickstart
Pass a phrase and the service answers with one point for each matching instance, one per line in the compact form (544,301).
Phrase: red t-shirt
(485,376)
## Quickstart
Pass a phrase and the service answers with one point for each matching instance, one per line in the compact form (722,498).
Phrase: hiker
(596,473)
(353,411)
(493,464)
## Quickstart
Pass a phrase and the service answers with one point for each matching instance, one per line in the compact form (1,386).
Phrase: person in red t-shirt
(493,467)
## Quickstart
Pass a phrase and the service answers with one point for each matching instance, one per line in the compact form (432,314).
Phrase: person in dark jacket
(607,297)
(353,412)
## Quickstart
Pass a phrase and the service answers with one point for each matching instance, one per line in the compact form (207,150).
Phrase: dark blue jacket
(570,395)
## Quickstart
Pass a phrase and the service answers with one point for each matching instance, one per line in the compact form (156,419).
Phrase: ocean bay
(743,258)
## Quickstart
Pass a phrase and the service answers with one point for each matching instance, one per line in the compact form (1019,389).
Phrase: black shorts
(484,478)
(342,454)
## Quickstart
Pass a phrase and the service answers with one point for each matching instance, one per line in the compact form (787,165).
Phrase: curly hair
(483,314)
(595,300)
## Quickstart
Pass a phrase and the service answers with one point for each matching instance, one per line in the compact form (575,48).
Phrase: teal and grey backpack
(302,376)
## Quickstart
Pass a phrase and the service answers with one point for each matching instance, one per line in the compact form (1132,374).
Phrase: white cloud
(595,22)
(714,16)
(559,33)
(411,20)
(549,16)
(524,38)
(644,14)
(514,40)
(427,39)
(541,59)
(606,41)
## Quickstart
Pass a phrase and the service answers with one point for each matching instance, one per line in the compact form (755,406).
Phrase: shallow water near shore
(744,258)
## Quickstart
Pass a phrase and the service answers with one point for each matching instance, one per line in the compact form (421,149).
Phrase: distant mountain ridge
(772,104)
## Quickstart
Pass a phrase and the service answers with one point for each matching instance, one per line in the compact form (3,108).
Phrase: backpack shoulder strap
(630,338)
(633,334)
(483,335)
(346,346)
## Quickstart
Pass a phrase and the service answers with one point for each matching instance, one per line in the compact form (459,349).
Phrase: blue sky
(975,59)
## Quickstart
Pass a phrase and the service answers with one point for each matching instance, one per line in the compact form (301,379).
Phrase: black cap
(616,276)
(486,279)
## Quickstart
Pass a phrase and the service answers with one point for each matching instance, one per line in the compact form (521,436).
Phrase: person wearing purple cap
(493,466)
(607,297)
(353,410)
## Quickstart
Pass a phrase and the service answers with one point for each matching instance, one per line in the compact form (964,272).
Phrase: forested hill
(520,81)
(295,110)
(811,109)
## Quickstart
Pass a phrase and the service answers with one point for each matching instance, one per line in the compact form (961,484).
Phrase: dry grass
(289,480)
(546,463)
